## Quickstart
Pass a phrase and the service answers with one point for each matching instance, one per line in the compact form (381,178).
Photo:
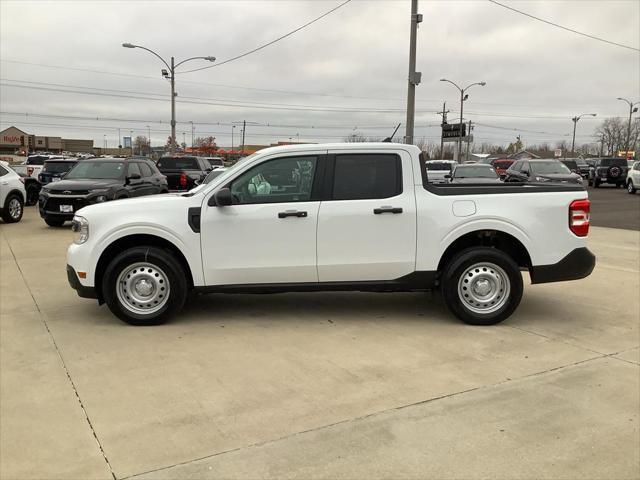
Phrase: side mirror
(222,198)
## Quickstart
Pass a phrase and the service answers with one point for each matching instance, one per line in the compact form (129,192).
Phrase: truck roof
(341,146)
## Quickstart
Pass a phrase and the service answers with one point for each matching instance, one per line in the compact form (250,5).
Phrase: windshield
(178,163)
(96,170)
(609,162)
(225,172)
(550,167)
(36,160)
(474,172)
(58,167)
(438,166)
(216,162)
(213,174)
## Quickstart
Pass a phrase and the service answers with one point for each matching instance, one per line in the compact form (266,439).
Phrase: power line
(562,27)
(237,57)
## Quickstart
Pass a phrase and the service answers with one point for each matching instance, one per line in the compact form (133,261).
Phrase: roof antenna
(390,139)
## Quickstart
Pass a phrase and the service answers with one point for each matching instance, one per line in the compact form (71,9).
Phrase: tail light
(579,213)
(29,171)
(183,180)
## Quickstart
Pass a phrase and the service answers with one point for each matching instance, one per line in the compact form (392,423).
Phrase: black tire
(631,189)
(596,183)
(13,208)
(161,261)
(32,195)
(54,222)
(456,271)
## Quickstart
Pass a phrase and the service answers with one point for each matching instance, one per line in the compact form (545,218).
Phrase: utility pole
(468,142)
(444,120)
(244,128)
(414,77)
(192,133)
(149,140)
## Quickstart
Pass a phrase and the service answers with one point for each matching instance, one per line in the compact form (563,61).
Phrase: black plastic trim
(416,281)
(83,292)
(499,188)
(194,218)
(577,264)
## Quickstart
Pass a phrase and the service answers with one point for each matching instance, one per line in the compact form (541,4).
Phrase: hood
(476,180)
(138,204)
(81,184)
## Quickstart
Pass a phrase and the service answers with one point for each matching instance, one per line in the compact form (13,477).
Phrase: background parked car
(183,173)
(32,166)
(32,186)
(501,165)
(474,173)
(438,169)
(216,162)
(583,167)
(571,164)
(541,170)
(98,180)
(53,170)
(12,194)
(609,170)
(633,178)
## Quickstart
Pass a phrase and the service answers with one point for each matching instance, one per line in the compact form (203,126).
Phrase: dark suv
(95,181)
(608,170)
(184,173)
(55,169)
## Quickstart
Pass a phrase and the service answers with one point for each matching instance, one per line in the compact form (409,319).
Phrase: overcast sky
(538,76)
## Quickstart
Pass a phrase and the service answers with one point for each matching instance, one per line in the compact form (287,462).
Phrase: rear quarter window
(367,176)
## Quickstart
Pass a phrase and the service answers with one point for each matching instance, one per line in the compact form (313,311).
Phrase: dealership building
(15,141)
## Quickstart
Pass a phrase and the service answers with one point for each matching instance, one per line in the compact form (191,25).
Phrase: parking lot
(325,385)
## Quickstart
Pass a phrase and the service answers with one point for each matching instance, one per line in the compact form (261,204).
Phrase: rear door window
(367,176)
(133,168)
(146,170)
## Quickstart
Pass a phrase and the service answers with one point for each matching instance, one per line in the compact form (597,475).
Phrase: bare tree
(612,134)
(355,138)
(141,145)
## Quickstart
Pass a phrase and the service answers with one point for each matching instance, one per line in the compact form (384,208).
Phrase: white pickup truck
(359,217)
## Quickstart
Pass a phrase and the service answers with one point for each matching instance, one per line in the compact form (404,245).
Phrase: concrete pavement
(318,385)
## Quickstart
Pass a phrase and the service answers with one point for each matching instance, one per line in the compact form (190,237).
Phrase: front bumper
(74,281)
(49,205)
(579,263)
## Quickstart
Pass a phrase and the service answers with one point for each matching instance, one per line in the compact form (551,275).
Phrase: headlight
(542,179)
(101,198)
(80,228)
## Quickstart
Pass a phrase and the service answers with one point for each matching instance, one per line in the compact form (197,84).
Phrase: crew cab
(360,217)
(184,173)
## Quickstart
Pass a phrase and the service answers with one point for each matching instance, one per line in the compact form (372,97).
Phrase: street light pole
(462,99)
(575,124)
(414,77)
(632,110)
(148,141)
(171,76)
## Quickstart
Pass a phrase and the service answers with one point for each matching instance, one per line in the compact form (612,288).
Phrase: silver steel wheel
(15,209)
(143,288)
(484,288)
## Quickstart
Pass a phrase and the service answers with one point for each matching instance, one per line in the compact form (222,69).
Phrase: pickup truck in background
(354,216)
(184,173)
(33,165)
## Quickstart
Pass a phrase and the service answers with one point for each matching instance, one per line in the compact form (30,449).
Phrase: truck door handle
(291,213)
(380,210)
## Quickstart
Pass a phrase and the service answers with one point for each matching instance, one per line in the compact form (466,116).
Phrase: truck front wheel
(482,286)
(144,285)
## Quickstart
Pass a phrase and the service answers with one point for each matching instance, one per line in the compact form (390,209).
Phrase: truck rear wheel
(144,285)
(482,286)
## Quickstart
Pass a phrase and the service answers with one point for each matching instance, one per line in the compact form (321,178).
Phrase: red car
(501,165)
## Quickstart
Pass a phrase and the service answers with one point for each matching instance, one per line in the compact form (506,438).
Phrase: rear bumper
(577,264)
(74,281)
